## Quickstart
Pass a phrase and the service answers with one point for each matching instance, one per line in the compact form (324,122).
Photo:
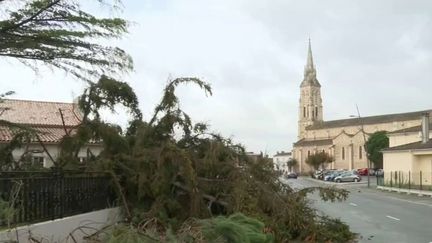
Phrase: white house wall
(54,151)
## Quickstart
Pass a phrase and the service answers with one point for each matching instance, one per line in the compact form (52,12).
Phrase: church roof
(316,142)
(367,120)
(282,154)
(411,146)
(410,129)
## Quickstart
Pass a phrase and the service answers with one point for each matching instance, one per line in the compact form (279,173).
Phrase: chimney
(425,128)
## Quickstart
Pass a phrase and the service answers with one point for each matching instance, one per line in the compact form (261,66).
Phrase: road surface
(377,216)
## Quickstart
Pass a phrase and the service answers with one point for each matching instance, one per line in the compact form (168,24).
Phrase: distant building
(280,160)
(342,139)
(410,153)
(51,120)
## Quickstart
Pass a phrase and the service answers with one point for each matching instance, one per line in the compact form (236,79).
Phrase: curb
(334,183)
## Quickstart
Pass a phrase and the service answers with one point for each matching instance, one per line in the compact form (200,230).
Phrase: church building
(343,139)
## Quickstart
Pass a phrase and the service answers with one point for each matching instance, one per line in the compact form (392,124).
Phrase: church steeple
(309,63)
(309,70)
(310,108)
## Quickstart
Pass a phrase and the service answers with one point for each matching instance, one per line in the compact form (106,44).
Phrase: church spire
(309,70)
(309,63)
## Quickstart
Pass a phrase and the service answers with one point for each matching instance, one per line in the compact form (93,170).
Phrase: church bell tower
(310,109)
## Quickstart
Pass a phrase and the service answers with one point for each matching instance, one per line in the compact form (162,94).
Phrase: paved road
(378,216)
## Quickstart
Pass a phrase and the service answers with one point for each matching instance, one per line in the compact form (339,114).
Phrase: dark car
(291,175)
(334,174)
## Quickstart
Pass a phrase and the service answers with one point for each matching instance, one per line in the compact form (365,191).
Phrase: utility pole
(365,147)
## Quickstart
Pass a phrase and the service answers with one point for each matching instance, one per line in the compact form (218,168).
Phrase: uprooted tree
(172,170)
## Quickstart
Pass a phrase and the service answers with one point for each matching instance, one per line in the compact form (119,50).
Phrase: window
(308,153)
(38,161)
(343,153)
(360,152)
(316,111)
(304,111)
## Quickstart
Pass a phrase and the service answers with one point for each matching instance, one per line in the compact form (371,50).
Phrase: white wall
(62,230)
(54,151)
(280,162)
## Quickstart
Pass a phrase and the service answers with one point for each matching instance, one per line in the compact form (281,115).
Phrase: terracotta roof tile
(39,112)
(46,134)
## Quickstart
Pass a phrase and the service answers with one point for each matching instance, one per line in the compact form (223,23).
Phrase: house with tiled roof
(343,139)
(52,121)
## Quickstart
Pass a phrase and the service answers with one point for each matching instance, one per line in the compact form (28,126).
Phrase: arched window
(308,153)
(360,152)
(316,111)
(343,153)
(304,111)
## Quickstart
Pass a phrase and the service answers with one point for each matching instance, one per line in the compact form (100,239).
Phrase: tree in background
(292,163)
(377,142)
(318,160)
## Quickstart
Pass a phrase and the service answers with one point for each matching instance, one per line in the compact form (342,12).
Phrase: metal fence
(27,197)
(414,180)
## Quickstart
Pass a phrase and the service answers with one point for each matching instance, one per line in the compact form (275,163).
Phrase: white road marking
(353,204)
(390,217)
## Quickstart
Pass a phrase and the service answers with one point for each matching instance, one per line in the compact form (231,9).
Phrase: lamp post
(365,147)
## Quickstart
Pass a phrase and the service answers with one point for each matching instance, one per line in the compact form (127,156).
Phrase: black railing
(412,180)
(37,196)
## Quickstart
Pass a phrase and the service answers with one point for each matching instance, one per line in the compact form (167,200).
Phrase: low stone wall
(70,229)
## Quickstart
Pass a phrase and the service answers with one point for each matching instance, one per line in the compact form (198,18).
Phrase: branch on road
(326,193)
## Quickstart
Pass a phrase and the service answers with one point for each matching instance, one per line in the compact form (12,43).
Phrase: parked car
(333,175)
(291,175)
(379,172)
(363,171)
(317,174)
(347,177)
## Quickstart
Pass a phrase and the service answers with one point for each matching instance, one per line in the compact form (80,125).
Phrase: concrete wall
(63,230)
(423,163)
(397,161)
(405,138)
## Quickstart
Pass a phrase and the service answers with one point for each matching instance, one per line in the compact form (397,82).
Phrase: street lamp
(365,147)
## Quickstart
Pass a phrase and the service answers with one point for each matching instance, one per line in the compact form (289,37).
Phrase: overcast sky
(377,54)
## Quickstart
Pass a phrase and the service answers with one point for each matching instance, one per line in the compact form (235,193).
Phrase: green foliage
(292,163)
(6,212)
(319,159)
(60,34)
(107,93)
(331,230)
(236,228)
(377,142)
